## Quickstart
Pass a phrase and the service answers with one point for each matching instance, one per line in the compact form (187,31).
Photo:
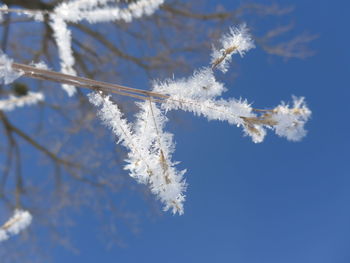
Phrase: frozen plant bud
(238,40)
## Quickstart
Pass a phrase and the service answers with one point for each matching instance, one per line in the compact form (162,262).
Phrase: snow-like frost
(93,11)
(18,222)
(7,74)
(150,149)
(290,120)
(238,40)
(13,102)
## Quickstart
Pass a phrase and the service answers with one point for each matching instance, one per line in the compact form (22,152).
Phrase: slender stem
(33,72)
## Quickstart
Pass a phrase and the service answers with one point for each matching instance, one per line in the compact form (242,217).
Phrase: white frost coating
(291,120)
(112,117)
(14,102)
(238,40)
(37,16)
(165,181)
(150,150)
(63,40)
(40,65)
(201,86)
(18,222)
(7,74)
(198,94)
(93,11)
(98,11)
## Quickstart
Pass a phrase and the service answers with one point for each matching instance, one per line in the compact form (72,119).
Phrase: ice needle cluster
(150,148)
(18,222)
(238,40)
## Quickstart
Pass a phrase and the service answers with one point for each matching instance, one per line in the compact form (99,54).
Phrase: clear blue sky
(254,203)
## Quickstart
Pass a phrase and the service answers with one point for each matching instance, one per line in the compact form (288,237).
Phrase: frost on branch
(165,180)
(7,74)
(150,149)
(19,101)
(199,95)
(18,222)
(93,11)
(63,40)
(290,120)
(238,40)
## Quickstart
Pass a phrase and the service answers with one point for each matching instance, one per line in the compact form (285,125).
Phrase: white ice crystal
(150,149)
(36,15)
(93,11)
(19,101)
(7,74)
(165,180)
(238,40)
(290,120)
(40,65)
(201,86)
(199,95)
(18,222)
(63,40)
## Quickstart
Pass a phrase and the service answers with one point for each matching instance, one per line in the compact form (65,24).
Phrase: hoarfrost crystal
(14,102)
(150,149)
(290,120)
(7,74)
(17,223)
(238,40)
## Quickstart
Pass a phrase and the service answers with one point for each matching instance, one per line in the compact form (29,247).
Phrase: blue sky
(254,203)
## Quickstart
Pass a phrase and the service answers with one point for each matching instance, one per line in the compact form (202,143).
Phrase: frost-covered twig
(238,40)
(93,11)
(64,43)
(19,221)
(7,73)
(37,15)
(19,101)
(164,179)
(150,148)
